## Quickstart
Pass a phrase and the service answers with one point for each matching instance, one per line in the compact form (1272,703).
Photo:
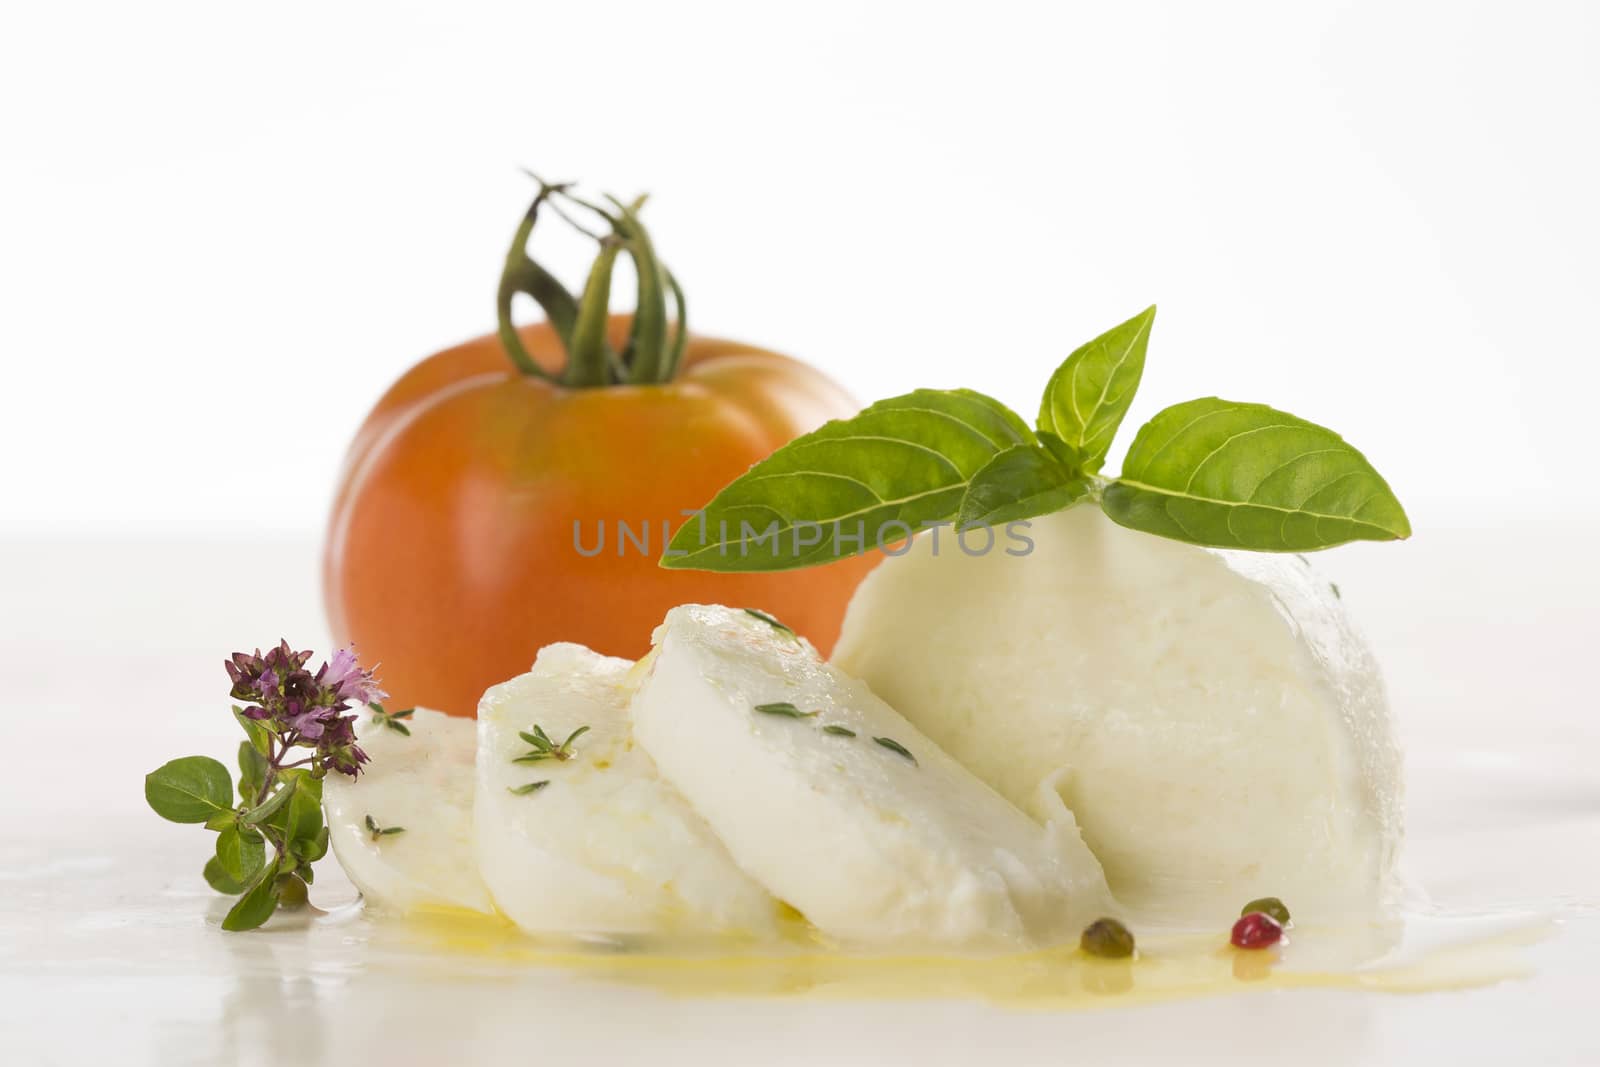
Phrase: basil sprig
(1208,472)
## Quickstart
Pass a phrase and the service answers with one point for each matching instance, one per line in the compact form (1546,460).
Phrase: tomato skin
(451,555)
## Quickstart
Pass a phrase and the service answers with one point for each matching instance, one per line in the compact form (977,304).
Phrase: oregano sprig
(1208,472)
(298,726)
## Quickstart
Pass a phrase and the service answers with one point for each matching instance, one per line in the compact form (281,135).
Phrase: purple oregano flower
(302,708)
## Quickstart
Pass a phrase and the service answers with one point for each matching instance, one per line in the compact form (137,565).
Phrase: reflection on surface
(1402,955)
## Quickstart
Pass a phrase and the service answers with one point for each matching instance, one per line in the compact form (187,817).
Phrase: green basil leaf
(218,879)
(1022,482)
(1090,392)
(256,906)
(851,486)
(1065,454)
(1230,475)
(189,790)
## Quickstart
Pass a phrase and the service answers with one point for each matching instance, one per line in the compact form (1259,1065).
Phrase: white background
(226,228)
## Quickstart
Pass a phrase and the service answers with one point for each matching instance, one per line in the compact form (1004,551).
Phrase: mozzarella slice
(606,847)
(1213,718)
(873,846)
(423,784)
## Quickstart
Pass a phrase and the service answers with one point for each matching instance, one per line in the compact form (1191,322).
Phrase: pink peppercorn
(1256,930)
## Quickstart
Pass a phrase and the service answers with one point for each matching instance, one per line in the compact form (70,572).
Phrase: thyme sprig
(382,831)
(542,748)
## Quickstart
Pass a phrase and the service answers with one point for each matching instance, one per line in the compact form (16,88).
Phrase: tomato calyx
(655,344)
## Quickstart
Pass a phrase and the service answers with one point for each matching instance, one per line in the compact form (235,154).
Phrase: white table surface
(111,649)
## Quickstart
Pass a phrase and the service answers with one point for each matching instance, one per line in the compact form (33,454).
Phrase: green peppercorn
(1268,906)
(1108,939)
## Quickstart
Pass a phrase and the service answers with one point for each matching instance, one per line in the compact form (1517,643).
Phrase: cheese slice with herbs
(841,808)
(604,845)
(418,786)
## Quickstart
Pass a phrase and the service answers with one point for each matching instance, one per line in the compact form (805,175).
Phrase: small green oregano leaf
(270,806)
(304,810)
(1023,482)
(252,852)
(1090,392)
(292,893)
(189,790)
(256,906)
(252,771)
(240,853)
(854,485)
(228,854)
(260,737)
(219,879)
(1232,475)
(316,848)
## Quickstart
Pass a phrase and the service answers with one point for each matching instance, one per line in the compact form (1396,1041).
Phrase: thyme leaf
(785,709)
(894,746)
(769,620)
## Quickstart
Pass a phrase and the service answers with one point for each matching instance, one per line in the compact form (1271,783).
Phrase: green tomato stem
(646,356)
(522,275)
(680,333)
(655,345)
(588,359)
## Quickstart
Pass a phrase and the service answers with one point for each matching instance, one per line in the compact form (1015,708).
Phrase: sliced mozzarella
(423,784)
(607,846)
(1212,718)
(874,847)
